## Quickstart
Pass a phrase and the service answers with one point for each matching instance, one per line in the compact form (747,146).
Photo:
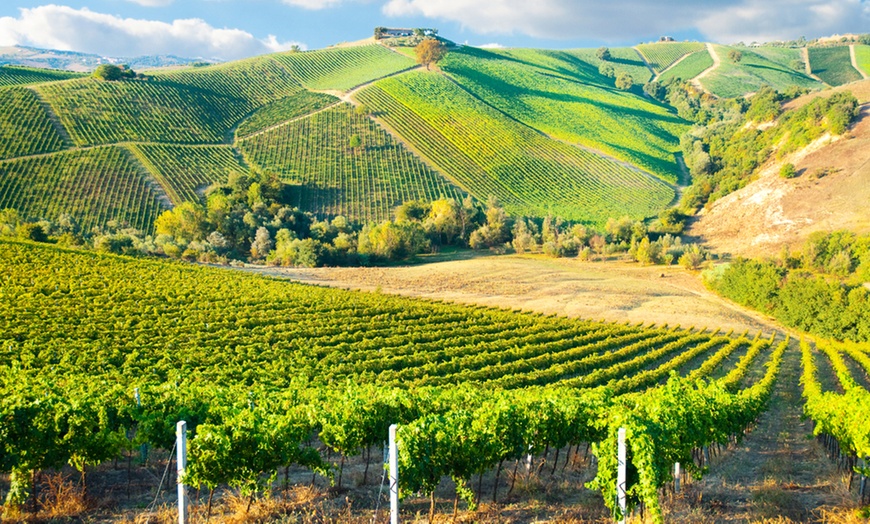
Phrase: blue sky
(231,29)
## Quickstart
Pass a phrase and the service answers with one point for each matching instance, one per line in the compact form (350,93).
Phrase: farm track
(855,62)
(716,63)
(777,471)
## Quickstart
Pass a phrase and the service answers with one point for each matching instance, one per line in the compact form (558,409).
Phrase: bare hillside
(831,192)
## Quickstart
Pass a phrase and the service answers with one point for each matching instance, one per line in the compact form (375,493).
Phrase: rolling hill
(544,131)
(830,192)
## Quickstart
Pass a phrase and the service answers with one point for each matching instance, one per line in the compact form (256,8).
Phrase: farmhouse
(397,33)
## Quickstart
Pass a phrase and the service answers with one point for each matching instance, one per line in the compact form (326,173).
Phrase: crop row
(692,66)
(96,112)
(363,182)
(486,153)
(662,54)
(92,186)
(752,72)
(573,104)
(833,65)
(284,110)
(343,68)
(25,128)
(185,171)
(16,75)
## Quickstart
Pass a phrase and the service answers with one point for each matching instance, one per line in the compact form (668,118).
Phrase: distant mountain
(82,62)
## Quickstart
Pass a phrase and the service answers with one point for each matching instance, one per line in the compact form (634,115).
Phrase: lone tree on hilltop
(112,73)
(603,53)
(430,51)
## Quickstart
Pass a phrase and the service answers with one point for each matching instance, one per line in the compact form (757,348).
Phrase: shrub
(787,171)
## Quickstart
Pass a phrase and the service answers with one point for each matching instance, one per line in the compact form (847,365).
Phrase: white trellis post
(677,477)
(621,474)
(394,477)
(181,446)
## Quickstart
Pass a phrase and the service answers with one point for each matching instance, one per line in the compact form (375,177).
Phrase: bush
(787,171)
(30,231)
(624,81)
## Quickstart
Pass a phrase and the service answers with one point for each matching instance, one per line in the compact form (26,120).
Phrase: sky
(233,29)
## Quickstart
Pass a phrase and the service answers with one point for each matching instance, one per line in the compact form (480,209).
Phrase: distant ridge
(84,62)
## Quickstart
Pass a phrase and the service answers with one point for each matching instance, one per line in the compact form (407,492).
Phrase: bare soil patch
(831,192)
(612,291)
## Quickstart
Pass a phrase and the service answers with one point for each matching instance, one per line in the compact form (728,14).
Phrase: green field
(25,128)
(785,56)
(623,60)
(94,186)
(661,55)
(862,56)
(751,73)
(17,75)
(280,111)
(331,178)
(487,153)
(833,65)
(557,99)
(692,66)
(185,171)
(343,68)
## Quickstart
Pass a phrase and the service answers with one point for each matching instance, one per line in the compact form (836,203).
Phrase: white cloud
(769,20)
(65,28)
(313,4)
(720,20)
(493,45)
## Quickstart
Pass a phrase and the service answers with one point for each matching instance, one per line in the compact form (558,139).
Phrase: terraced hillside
(25,127)
(545,131)
(862,57)
(362,183)
(487,153)
(833,65)
(751,73)
(688,67)
(16,75)
(662,55)
(551,92)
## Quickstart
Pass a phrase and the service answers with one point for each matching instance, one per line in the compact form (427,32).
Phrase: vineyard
(97,113)
(93,186)
(751,73)
(692,66)
(362,183)
(265,366)
(185,171)
(833,65)
(549,98)
(489,154)
(662,54)
(280,111)
(343,68)
(623,59)
(25,128)
(16,75)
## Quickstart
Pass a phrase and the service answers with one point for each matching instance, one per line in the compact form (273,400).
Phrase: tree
(606,70)
(655,90)
(262,244)
(735,56)
(355,142)
(108,72)
(362,110)
(379,32)
(624,81)
(430,51)
(603,53)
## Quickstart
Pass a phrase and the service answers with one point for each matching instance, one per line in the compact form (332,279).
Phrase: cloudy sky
(230,29)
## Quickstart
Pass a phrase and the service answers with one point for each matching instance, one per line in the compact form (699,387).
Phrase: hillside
(830,192)
(544,131)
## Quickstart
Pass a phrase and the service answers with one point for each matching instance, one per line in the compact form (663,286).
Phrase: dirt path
(855,62)
(776,473)
(665,70)
(716,62)
(646,62)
